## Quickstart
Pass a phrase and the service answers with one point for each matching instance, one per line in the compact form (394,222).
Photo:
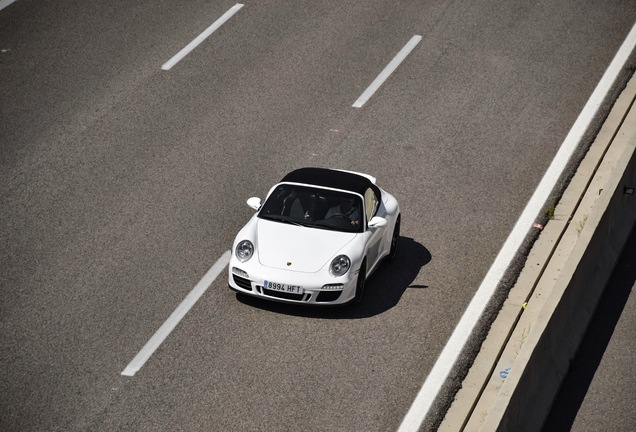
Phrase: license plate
(275,286)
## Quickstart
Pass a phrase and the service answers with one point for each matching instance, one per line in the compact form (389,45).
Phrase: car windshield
(313,207)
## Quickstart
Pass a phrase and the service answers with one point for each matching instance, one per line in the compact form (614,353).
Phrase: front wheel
(395,240)
(362,276)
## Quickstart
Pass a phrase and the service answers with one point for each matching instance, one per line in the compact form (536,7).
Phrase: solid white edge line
(157,339)
(5,3)
(388,70)
(192,45)
(446,361)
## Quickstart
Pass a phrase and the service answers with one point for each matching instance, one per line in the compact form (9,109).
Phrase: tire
(395,240)
(360,283)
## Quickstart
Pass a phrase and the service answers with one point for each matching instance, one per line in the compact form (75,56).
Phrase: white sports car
(317,237)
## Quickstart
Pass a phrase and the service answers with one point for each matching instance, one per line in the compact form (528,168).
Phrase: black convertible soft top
(332,179)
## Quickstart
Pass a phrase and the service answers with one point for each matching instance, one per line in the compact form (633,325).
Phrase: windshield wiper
(326,227)
(282,219)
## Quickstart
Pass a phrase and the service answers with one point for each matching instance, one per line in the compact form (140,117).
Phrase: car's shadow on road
(383,290)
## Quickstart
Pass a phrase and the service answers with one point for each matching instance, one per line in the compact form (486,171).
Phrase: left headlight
(340,265)
(244,250)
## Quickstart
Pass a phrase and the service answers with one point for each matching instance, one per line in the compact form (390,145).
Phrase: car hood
(297,248)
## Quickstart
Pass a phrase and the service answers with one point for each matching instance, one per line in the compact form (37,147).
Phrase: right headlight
(244,250)
(340,265)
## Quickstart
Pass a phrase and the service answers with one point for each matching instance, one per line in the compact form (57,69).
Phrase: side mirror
(377,222)
(254,203)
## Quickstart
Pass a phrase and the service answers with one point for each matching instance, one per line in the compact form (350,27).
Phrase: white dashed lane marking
(178,314)
(192,45)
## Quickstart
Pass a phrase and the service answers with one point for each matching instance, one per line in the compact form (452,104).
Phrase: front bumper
(319,289)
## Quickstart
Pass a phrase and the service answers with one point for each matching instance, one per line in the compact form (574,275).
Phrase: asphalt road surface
(121,184)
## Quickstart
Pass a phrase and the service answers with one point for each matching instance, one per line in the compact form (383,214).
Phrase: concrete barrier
(526,356)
